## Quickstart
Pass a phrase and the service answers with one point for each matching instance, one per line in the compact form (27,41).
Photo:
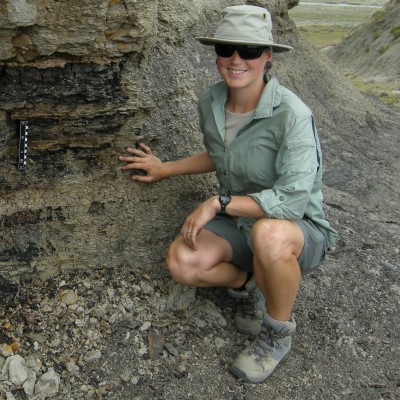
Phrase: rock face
(91,78)
(109,29)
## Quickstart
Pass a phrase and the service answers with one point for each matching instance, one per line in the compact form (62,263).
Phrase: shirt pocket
(301,155)
(261,163)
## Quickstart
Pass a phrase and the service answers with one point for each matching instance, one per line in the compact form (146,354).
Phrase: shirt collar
(270,98)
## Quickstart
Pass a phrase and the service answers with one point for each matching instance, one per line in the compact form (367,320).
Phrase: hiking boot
(271,346)
(250,309)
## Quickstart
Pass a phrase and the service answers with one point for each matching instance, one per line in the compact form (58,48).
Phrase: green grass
(395,31)
(383,92)
(324,35)
(325,25)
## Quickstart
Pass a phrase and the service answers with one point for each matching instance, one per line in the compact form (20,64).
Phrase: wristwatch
(224,200)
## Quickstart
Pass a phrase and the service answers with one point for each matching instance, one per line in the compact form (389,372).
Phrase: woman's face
(238,73)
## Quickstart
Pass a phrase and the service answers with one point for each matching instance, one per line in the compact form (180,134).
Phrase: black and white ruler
(23,144)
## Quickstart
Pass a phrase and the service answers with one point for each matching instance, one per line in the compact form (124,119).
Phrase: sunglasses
(245,52)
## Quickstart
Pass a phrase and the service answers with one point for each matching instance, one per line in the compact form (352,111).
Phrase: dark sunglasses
(245,52)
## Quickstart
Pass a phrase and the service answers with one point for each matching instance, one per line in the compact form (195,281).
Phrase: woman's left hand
(195,221)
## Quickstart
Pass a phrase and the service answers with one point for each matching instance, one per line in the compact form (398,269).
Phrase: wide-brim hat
(245,25)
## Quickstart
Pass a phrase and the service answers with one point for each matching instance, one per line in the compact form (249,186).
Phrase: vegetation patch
(327,24)
(395,31)
(383,92)
(324,35)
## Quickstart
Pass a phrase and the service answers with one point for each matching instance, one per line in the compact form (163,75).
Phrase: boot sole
(242,375)
(247,332)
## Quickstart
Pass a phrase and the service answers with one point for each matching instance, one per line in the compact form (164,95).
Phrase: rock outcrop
(92,78)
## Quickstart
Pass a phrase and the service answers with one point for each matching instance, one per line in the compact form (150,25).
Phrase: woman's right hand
(143,159)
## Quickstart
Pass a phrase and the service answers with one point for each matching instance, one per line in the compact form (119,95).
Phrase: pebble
(48,384)
(6,350)
(171,349)
(93,355)
(17,371)
(71,366)
(134,380)
(146,288)
(30,317)
(68,297)
(156,343)
(146,326)
(33,363)
(219,343)
(80,323)
(29,384)
(142,351)
(15,346)
(47,309)
(72,328)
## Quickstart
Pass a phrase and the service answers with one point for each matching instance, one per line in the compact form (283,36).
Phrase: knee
(269,239)
(178,264)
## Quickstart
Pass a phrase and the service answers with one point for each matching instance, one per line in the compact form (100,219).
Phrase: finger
(138,164)
(142,178)
(145,148)
(136,152)
(189,234)
(193,240)
(185,230)
(126,159)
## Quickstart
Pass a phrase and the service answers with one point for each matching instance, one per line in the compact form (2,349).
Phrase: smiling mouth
(237,72)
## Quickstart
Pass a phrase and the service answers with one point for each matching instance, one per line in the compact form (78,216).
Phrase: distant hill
(372,51)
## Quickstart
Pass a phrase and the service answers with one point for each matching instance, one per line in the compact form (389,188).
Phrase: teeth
(237,72)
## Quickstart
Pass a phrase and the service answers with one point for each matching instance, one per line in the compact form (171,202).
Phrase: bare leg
(277,244)
(207,266)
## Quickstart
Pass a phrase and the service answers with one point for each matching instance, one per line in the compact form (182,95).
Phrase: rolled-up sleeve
(296,167)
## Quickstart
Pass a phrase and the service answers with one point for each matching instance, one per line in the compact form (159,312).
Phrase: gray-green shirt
(275,159)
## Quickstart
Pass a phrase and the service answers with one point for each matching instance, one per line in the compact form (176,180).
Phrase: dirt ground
(129,334)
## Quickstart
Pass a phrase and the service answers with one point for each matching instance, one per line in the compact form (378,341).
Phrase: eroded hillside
(372,51)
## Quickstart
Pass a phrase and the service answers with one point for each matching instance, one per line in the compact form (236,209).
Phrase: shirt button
(241,227)
(224,172)
(281,198)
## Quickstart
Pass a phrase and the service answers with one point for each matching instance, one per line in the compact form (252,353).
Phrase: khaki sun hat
(245,25)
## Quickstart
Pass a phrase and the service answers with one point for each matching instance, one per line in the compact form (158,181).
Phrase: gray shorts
(311,257)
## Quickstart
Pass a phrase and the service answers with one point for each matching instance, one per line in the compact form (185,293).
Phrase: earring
(268,65)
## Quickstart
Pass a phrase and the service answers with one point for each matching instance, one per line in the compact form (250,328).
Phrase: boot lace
(251,307)
(263,345)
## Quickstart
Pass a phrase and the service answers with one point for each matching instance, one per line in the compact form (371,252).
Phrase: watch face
(225,199)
